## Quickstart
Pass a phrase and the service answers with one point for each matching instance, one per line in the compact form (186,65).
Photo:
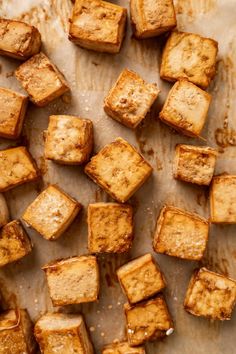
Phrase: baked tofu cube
(210,295)
(148,321)
(98,25)
(41,80)
(194,164)
(12,113)
(181,234)
(223,199)
(14,243)
(119,169)
(69,139)
(73,281)
(62,333)
(4,212)
(130,99)
(16,333)
(51,212)
(152,18)
(122,348)
(189,56)
(17,167)
(141,278)
(18,39)
(186,108)
(110,227)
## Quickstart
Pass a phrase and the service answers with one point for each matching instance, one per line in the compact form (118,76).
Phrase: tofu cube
(181,234)
(119,169)
(14,243)
(73,280)
(98,25)
(210,295)
(130,99)
(189,56)
(152,18)
(51,213)
(122,348)
(12,113)
(141,278)
(223,199)
(110,227)
(69,139)
(194,164)
(41,80)
(4,212)
(62,333)
(17,167)
(186,108)
(16,333)
(18,39)
(148,321)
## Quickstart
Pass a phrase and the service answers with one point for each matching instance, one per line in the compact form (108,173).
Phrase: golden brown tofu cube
(62,334)
(69,139)
(14,243)
(122,348)
(12,113)
(18,39)
(17,167)
(16,333)
(130,99)
(119,169)
(98,25)
(51,212)
(73,280)
(141,278)
(148,321)
(210,295)
(223,199)
(4,212)
(41,80)
(189,56)
(110,227)
(186,108)
(152,18)
(181,234)
(194,164)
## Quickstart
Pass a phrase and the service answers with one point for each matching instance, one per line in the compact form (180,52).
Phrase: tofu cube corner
(130,99)
(122,348)
(210,295)
(73,280)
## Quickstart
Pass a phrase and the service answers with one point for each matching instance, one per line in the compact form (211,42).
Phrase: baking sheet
(90,76)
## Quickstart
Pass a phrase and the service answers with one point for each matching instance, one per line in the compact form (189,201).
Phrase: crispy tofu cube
(62,333)
(194,164)
(51,212)
(148,321)
(4,212)
(73,280)
(141,278)
(16,333)
(12,113)
(14,243)
(186,108)
(210,295)
(130,99)
(98,25)
(18,39)
(152,18)
(41,80)
(181,234)
(122,348)
(17,167)
(119,169)
(110,227)
(69,139)
(223,199)
(189,56)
